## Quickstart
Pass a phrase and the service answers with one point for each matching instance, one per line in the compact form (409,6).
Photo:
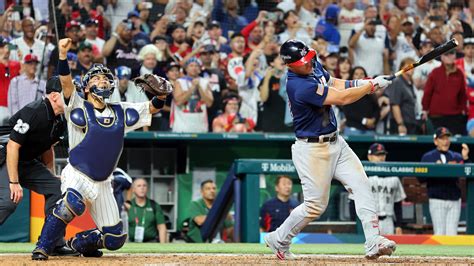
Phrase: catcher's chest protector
(97,154)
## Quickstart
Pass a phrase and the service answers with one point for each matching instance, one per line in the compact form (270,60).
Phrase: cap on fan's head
(442,131)
(377,149)
(296,53)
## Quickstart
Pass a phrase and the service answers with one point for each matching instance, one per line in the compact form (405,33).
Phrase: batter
(96,131)
(319,153)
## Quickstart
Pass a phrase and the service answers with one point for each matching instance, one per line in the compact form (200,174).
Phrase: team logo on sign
(265,167)
(21,127)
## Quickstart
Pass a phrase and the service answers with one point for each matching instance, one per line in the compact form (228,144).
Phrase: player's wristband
(14,183)
(157,102)
(63,67)
(355,83)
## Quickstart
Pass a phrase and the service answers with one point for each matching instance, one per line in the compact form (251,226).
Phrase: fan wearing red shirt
(444,99)
(466,64)
(179,46)
(8,70)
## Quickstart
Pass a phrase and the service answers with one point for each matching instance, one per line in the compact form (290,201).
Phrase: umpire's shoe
(64,251)
(39,254)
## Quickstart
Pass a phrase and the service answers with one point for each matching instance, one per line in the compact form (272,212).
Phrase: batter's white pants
(317,164)
(99,196)
(445,216)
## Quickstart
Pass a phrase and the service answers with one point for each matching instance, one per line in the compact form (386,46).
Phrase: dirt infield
(208,259)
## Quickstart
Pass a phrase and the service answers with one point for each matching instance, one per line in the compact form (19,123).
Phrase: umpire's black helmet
(296,53)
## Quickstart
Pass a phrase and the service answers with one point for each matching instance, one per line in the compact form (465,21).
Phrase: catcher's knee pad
(70,206)
(86,241)
(113,238)
(131,117)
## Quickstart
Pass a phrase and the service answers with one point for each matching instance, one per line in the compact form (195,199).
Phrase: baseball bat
(445,47)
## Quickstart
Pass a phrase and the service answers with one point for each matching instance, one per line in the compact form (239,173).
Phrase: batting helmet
(296,53)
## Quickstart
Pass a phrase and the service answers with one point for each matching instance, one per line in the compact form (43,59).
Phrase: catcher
(96,131)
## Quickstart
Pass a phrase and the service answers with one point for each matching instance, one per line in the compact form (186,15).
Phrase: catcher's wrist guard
(63,68)
(157,102)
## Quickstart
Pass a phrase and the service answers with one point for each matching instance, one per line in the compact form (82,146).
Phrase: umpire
(28,156)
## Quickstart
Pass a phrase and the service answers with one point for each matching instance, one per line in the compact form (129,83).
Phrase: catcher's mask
(99,90)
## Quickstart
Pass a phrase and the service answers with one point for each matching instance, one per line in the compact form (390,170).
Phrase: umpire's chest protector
(97,154)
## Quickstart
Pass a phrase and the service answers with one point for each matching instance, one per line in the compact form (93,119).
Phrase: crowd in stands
(222,58)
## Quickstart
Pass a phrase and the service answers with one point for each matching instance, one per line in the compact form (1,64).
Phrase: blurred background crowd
(222,58)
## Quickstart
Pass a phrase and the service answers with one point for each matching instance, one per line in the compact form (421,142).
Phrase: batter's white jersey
(98,194)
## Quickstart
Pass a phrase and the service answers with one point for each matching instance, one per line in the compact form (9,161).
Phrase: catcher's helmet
(99,69)
(123,72)
(296,53)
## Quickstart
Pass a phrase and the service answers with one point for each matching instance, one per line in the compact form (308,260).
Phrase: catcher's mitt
(153,85)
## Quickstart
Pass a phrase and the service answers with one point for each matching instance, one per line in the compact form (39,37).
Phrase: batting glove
(382,81)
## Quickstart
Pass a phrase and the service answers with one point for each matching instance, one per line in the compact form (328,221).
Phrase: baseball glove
(153,85)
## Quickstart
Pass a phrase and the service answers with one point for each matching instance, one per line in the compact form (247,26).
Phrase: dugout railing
(242,188)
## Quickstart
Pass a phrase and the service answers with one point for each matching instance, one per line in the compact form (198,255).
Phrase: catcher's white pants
(317,164)
(445,216)
(98,195)
(387,226)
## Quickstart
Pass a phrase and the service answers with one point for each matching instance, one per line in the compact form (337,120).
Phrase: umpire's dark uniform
(36,128)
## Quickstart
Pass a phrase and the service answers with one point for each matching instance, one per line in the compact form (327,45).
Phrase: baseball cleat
(39,254)
(281,253)
(380,246)
(93,254)
(64,251)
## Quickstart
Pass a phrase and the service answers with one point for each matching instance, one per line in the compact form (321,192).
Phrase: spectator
(144,13)
(235,59)
(160,26)
(444,100)
(401,42)
(25,88)
(227,14)
(161,121)
(146,221)
(73,29)
(272,114)
(210,60)
(8,70)
(274,211)
(119,49)
(344,67)
(253,32)
(459,37)
(127,91)
(330,63)
(201,9)
(371,13)
(190,100)
(349,17)
(165,57)
(28,44)
(388,192)
(327,27)
(248,86)
(214,32)
(195,32)
(403,102)
(91,35)
(148,57)
(180,15)
(369,50)
(420,74)
(157,10)
(306,11)
(231,120)
(84,59)
(361,116)
(457,19)
(444,193)
(466,64)
(294,29)
(180,48)
(198,211)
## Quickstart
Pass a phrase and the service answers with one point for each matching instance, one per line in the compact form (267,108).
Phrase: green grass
(347,249)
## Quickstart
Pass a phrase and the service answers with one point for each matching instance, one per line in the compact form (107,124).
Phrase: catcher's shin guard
(114,238)
(70,206)
(87,242)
